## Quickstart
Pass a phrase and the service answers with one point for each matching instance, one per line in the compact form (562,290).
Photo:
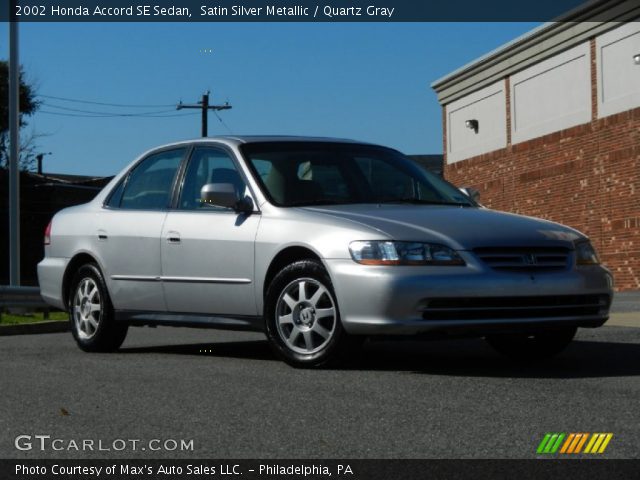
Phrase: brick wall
(587,177)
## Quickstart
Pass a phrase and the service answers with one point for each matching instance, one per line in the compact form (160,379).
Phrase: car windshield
(322,173)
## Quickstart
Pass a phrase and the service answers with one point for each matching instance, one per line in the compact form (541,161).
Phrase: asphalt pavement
(227,393)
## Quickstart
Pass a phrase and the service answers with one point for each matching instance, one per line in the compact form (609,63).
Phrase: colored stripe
(598,442)
(543,442)
(574,443)
(550,443)
(605,443)
(582,440)
(576,439)
(567,442)
(554,449)
(592,440)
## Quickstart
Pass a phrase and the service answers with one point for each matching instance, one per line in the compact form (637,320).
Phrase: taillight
(47,235)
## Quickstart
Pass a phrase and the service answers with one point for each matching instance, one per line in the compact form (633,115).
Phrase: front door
(208,251)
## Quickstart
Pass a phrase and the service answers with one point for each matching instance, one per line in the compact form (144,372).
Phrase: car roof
(235,140)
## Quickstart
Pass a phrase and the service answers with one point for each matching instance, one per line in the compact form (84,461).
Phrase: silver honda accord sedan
(318,243)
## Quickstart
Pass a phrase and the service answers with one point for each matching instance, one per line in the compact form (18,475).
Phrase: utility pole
(39,158)
(14,164)
(205,107)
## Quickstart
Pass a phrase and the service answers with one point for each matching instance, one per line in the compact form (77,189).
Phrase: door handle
(102,235)
(173,237)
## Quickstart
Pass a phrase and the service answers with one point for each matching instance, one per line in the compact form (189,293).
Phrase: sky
(365,81)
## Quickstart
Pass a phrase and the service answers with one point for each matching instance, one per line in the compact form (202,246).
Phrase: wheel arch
(332,349)
(81,258)
(285,257)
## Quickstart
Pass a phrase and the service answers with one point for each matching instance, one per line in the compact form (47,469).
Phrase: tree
(28,106)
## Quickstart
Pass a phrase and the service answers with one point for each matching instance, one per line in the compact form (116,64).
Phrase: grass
(17,319)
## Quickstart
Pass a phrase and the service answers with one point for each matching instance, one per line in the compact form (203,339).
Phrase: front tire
(91,313)
(533,346)
(302,317)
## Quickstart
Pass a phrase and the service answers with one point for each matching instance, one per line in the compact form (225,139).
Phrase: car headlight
(586,254)
(403,253)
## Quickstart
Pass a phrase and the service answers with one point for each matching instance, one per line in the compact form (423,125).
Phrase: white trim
(577,57)
(492,134)
(631,99)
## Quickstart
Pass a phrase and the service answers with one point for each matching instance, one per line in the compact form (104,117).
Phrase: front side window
(313,173)
(149,185)
(208,165)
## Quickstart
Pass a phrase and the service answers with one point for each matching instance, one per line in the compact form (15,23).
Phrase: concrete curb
(624,319)
(626,302)
(35,328)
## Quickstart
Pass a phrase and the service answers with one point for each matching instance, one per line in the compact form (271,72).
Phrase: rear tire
(532,346)
(303,320)
(91,315)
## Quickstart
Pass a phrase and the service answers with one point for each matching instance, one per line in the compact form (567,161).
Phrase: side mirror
(472,193)
(225,195)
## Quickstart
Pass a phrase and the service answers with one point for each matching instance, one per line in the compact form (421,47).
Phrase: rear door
(208,251)
(129,232)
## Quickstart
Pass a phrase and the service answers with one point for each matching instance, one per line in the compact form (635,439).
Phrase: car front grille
(535,258)
(515,307)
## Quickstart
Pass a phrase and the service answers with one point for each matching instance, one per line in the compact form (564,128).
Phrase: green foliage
(28,106)
(28,103)
(17,319)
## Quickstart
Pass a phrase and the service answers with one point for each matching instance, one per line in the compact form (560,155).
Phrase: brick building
(549,126)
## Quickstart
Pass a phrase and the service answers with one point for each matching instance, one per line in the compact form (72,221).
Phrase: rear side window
(150,184)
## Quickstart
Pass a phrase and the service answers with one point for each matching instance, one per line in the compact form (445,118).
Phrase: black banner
(287,10)
(318,469)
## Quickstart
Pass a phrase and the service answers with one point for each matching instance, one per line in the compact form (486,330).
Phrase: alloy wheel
(87,308)
(306,316)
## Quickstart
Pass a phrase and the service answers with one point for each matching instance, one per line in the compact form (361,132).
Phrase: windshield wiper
(420,201)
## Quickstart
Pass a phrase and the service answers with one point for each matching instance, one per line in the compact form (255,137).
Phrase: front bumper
(473,299)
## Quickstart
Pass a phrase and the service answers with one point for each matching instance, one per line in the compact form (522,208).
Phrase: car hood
(459,228)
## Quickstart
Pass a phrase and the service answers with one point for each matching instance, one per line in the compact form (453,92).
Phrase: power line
(170,115)
(63,114)
(203,105)
(142,114)
(222,122)
(72,114)
(66,99)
